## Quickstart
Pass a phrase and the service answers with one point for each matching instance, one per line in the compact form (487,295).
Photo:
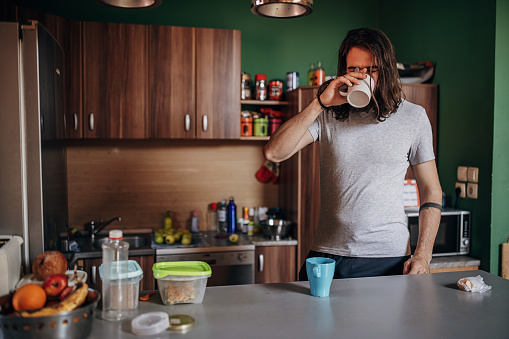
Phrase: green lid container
(181,268)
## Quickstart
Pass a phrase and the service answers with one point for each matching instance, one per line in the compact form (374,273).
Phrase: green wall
(458,35)
(442,31)
(500,210)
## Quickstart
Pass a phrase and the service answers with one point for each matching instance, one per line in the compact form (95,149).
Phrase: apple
(54,284)
(66,292)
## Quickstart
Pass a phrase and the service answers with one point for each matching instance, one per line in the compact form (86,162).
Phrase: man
(364,156)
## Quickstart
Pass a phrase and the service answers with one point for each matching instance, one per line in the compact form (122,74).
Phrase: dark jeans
(354,267)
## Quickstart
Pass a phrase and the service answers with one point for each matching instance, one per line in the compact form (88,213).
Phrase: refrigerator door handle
(91,122)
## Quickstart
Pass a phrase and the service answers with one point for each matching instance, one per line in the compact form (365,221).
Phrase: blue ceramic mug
(320,273)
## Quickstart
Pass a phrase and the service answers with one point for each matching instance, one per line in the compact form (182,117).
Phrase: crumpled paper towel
(473,284)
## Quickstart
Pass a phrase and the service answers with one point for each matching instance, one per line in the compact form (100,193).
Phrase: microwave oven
(453,236)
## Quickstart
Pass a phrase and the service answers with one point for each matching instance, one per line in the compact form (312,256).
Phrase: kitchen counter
(415,306)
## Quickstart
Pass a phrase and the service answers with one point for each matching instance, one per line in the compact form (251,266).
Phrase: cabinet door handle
(65,122)
(93,270)
(204,122)
(187,123)
(91,122)
(260,263)
(75,126)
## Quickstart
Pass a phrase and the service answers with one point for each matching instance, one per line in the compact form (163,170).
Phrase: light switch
(473,174)
(462,173)
(472,190)
(461,185)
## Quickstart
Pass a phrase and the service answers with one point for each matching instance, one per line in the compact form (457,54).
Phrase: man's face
(362,59)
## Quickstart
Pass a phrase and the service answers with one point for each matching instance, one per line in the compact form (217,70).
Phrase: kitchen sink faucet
(101,226)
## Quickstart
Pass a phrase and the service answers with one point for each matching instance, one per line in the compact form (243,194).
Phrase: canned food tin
(275,90)
(246,127)
(292,81)
(274,123)
(260,127)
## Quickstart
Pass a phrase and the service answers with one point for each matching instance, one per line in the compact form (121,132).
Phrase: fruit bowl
(73,324)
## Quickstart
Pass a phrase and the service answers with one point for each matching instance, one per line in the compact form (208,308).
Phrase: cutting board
(505,260)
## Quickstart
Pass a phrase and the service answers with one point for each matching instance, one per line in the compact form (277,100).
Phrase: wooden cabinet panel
(69,37)
(115,80)
(217,83)
(274,264)
(172,73)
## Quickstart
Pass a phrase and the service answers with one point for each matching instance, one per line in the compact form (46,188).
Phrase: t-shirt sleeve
(314,129)
(421,149)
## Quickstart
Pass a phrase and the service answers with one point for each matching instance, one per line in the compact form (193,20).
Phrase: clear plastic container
(133,278)
(115,254)
(182,282)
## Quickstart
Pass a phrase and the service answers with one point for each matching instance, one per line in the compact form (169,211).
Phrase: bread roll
(49,263)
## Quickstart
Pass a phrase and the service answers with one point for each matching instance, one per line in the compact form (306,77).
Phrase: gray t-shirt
(363,163)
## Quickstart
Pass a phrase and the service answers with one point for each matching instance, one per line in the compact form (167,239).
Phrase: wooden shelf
(255,138)
(263,102)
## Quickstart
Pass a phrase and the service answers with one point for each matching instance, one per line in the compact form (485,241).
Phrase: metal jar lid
(181,322)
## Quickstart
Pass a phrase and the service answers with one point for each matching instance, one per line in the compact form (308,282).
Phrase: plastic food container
(134,276)
(181,282)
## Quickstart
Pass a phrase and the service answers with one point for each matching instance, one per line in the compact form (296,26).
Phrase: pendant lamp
(132,3)
(282,8)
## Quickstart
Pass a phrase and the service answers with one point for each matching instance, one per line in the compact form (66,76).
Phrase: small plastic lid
(261,77)
(133,270)
(213,206)
(181,322)
(150,323)
(186,268)
(115,235)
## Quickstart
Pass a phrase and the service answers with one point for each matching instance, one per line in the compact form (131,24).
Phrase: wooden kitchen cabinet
(91,266)
(299,194)
(275,264)
(194,82)
(115,80)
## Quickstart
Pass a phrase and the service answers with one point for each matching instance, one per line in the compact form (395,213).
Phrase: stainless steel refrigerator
(33,169)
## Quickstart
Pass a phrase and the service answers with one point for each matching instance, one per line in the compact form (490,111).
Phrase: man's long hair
(388,92)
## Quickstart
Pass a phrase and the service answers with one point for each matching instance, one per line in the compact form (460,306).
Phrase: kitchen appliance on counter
(453,237)
(231,264)
(33,171)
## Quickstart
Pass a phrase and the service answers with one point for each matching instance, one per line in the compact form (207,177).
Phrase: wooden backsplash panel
(139,180)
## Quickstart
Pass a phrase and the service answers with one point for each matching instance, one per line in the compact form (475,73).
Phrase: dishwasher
(231,265)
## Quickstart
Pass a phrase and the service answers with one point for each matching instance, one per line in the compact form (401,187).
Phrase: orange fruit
(29,297)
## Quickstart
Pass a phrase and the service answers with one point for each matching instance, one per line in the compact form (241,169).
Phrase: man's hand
(416,265)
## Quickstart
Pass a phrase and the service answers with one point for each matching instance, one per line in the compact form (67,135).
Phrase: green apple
(170,239)
(158,239)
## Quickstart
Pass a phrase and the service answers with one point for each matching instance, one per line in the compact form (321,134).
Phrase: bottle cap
(181,322)
(150,323)
(213,206)
(261,77)
(116,235)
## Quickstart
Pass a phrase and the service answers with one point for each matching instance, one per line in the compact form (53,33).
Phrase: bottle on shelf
(311,75)
(115,256)
(212,218)
(232,215)
(319,74)
(245,219)
(261,87)
(222,219)
(195,228)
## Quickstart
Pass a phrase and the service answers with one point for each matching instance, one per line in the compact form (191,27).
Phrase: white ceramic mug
(359,96)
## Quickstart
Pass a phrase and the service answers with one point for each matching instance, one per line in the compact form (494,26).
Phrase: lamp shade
(132,3)
(282,8)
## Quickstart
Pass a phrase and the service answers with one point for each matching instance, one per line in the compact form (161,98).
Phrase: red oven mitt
(268,172)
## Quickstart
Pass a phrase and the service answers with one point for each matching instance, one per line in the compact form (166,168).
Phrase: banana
(75,300)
